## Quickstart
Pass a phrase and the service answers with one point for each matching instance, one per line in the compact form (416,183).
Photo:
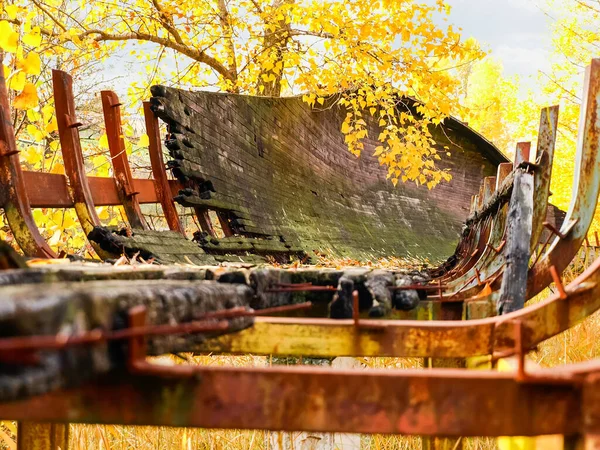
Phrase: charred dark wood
(72,309)
(513,289)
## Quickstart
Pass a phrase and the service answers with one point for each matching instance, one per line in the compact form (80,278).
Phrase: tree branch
(196,55)
(167,23)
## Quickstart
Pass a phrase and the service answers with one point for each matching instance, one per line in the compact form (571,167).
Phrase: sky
(515,31)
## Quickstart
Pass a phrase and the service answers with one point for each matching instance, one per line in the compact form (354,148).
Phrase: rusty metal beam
(544,160)
(14,197)
(163,192)
(585,189)
(522,153)
(50,190)
(447,402)
(122,172)
(416,338)
(68,125)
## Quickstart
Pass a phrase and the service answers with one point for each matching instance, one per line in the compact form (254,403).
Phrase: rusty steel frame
(445,402)
(417,338)
(585,191)
(70,144)
(434,402)
(163,191)
(50,190)
(120,163)
(15,200)
(585,188)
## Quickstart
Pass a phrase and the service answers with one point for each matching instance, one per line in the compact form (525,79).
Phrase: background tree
(367,54)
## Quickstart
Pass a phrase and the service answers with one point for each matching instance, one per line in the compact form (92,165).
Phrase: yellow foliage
(31,65)
(33,38)
(17,81)
(9,39)
(144,141)
(28,98)
(366,56)
(103,141)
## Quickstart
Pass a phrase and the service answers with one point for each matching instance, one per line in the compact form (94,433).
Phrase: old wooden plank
(513,289)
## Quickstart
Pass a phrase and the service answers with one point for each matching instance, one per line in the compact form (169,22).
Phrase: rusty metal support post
(489,186)
(163,191)
(586,186)
(447,311)
(522,153)
(42,436)
(14,198)
(71,150)
(504,169)
(544,160)
(122,172)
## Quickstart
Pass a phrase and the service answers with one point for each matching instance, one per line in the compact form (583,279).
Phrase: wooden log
(513,289)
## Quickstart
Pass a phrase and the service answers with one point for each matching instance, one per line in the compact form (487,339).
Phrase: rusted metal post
(14,196)
(447,311)
(163,191)
(586,186)
(489,186)
(480,197)
(504,169)
(544,160)
(71,150)
(42,436)
(522,153)
(204,221)
(224,222)
(122,172)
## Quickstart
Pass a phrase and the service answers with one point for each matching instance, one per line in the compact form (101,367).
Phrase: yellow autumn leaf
(58,168)
(31,65)
(51,126)
(144,141)
(103,213)
(47,112)
(11,11)
(28,98)
(103,141)
(33,115)
(33,38)
(35,133)
(9,39)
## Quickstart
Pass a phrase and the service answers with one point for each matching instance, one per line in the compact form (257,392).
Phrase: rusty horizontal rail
(50,190)
(415,402)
